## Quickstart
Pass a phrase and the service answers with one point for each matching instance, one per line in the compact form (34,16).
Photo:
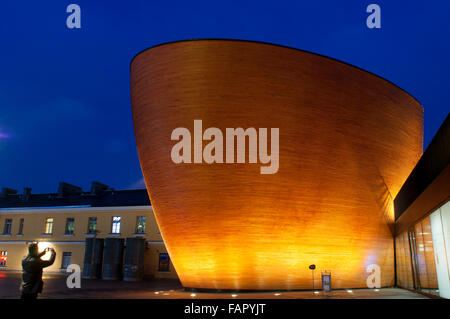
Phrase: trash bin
(326,281)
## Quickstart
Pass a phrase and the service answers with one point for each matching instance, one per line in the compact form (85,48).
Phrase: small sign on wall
(164,262)
(326,281)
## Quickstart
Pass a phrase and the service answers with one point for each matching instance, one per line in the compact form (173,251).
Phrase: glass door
(440,229)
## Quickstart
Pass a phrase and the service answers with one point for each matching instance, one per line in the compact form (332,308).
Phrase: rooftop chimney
(7,191)
(66,189)
(98,188)
(26,194)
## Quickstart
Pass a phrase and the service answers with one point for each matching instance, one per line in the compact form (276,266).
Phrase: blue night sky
(65,111)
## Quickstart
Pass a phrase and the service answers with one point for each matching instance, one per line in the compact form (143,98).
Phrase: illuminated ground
(55,287)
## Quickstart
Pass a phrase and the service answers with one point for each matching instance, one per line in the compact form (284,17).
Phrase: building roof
(433,161)
(69,195)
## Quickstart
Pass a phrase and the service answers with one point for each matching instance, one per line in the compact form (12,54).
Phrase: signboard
(326,282)
(164,262)
(3,258)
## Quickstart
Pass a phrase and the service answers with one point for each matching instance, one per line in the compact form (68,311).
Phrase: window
(115,229)
(21,227)
(66,260)
(8,226)
(92,225)
(48,226)
(422,254)
(440,233)
(140,225)
(164,262)
(3,258)
(70,225)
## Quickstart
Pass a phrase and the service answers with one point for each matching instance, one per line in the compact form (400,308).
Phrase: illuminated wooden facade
(348,140)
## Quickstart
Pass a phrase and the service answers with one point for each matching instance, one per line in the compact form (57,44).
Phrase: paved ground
(55,287)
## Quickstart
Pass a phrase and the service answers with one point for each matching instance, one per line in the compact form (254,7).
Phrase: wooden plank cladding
(347,141)
(403,261)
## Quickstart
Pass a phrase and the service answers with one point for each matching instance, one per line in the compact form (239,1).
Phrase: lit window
(140,225)
(115,229)
(3,258)
(8,226)
(66,260)
(92,225)
(70,225)
(21,227)
(48,226)
(164,262)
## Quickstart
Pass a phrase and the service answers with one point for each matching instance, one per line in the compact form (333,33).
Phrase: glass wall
(440,229)
(424,257)
(422,254)
(403,262)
